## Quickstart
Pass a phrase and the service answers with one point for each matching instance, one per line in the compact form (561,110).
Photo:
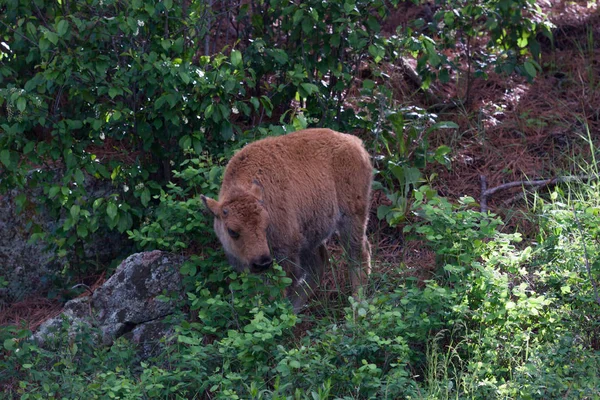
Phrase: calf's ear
(257,190)
(212,205)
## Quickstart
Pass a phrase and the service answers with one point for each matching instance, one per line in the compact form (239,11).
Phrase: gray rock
(74,320)
(26,267)
(127,304)
(29,268)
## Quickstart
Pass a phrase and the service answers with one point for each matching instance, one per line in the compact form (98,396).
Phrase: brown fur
(285,196)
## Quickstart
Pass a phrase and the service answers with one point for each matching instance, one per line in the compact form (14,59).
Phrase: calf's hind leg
(307,276)
(353,238)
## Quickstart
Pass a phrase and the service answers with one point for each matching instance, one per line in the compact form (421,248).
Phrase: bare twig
(587,260)
(537,184)
(84,286)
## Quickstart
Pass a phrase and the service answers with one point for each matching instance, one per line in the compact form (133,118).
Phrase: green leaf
(114,92)
(61,27)
(82,230)
(96,124)
(236,59)
(124,223)
(442,151)
(168,4)
(79,177)
(377,52)
(145,197)
(368,84)
(31,29)
(178,48)
(111,211)
(530,69)
(10,344)
(5,158)
(226,131)
(442,125)
(21,104)
(349,6)
(75,210)
(309,88)
(97,203)
(29,147)
(53,191)
(185,77)
(52,37)
(188,269)
(185,142)
(43,44)
(382,211)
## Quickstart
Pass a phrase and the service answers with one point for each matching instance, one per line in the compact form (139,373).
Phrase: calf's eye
(233,234)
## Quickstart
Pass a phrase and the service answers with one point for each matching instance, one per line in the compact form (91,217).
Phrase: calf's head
(241,225)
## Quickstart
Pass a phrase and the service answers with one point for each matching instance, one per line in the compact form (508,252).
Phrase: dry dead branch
(535,185)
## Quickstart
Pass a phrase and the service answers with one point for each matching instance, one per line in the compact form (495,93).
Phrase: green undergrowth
(501,319)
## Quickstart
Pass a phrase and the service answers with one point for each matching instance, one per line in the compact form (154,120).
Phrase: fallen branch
(536,185)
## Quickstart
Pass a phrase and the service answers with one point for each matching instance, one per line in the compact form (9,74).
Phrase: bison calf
(283,197)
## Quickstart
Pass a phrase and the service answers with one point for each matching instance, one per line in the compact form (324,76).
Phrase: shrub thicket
(140,97)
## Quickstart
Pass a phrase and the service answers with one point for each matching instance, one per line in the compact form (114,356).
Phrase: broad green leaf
(53,191)
(149,8)
(28,147)
(145,197)
(226,131)
(75,210)
(61,27)
(185,77)
(43,44)
(97,203)
(79,177)
(382,211)
(185,142)
(236,59)
(5,157)
(123,224)
(10,344)
(21,104)
(530,69)
(309,88)
(31,29)
(113,92)
(368,84)
(52,37)
(111,210)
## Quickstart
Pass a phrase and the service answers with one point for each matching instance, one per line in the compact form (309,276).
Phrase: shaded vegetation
(148,100)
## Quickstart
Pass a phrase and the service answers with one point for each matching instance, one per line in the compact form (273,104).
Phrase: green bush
(497,320)
(108,91)
(511,30)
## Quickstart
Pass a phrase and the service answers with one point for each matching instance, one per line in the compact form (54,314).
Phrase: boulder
(144,290)
(26,267)
(30,268)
